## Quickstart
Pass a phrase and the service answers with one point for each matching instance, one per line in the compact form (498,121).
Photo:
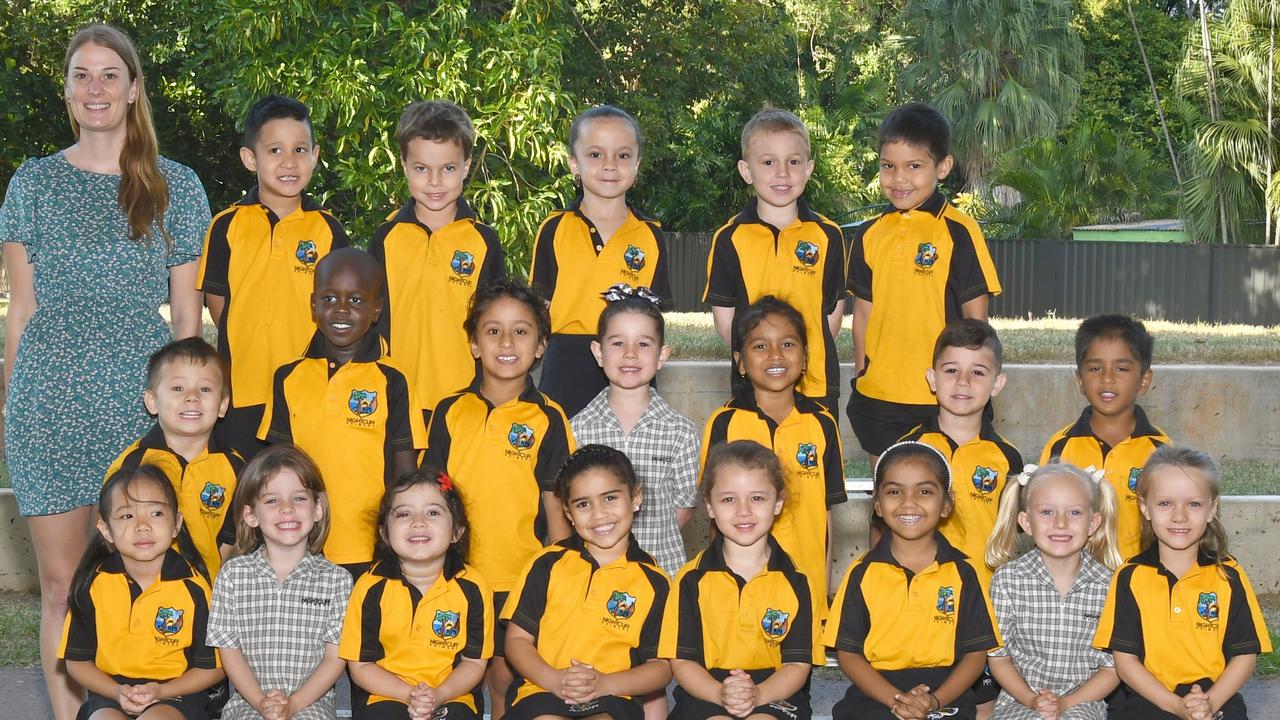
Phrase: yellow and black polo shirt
(572,265)
(155,633)
(350,420)
(417,636)
(609,617)
(502,458)
(263,266)
(1186,629)
(204,487)
(1076,444)
(807,444)
(802,263)
(725,622)
(916,268)
(900,620)
(979,470)
(431,277)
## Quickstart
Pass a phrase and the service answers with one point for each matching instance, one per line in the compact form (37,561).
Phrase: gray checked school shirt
(1050,636)
(663,446)
(281,628)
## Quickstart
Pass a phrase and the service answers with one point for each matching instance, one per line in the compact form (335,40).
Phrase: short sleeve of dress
(18,213)
(188,216)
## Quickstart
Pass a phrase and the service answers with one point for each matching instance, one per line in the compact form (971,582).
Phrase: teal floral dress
(76,397)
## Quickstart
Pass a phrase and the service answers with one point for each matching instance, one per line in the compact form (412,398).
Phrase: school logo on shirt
(363,402)
(463,263)
(307,253)
(446,624)
(621,605)
(926,255)
(807,253)
(984,479)
(775,623)
(634,258)
(1207,606)
(807,455)
(168,621)
(213,496)
(1133,478)
(946,605)
(521,436)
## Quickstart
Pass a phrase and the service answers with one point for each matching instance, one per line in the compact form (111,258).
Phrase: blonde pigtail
(1104,544)
(1006,541)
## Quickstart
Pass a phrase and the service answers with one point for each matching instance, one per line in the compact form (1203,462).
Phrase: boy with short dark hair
(967,372)
(435,253)
(188,388)
(1113,370)
(917,267)
(778,246)
(259,255)
(346,406)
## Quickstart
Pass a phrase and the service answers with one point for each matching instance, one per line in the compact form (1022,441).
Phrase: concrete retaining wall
(1232,412)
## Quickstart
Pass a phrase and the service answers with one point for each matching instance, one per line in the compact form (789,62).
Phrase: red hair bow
(446,483)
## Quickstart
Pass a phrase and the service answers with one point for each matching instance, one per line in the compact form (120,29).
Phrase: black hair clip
(623,291)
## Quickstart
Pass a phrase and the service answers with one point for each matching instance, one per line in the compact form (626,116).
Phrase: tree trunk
(1155,95)
(1215,111)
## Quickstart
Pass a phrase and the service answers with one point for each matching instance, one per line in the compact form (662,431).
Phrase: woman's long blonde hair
(144,192)
(1008,541)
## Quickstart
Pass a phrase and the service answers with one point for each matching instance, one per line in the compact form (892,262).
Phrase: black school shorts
(544,703)
(796,707)
(192,707)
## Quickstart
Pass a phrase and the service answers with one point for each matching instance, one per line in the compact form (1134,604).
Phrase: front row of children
(593,624)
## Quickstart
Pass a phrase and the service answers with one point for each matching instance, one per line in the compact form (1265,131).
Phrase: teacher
(96,237)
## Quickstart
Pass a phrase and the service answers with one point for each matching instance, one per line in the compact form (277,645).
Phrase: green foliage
(1228,186)
(692,74)
(33,119)
(1090,176)
(1003,71)
(501,62)
(1114,91)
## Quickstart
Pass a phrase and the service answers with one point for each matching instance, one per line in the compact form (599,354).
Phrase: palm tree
(1225,82)
(1003,71)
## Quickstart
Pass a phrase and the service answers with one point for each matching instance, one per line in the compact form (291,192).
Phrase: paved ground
(22,697)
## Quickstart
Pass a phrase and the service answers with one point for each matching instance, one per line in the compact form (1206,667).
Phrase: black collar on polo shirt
(1141,428)
(529,394)
(154,440)
(634,552)
(407,214)
(883,551)
(713,557)
(935,205)
(751,213)
(252,197)
(175,567)
(369,349)
(986,432)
